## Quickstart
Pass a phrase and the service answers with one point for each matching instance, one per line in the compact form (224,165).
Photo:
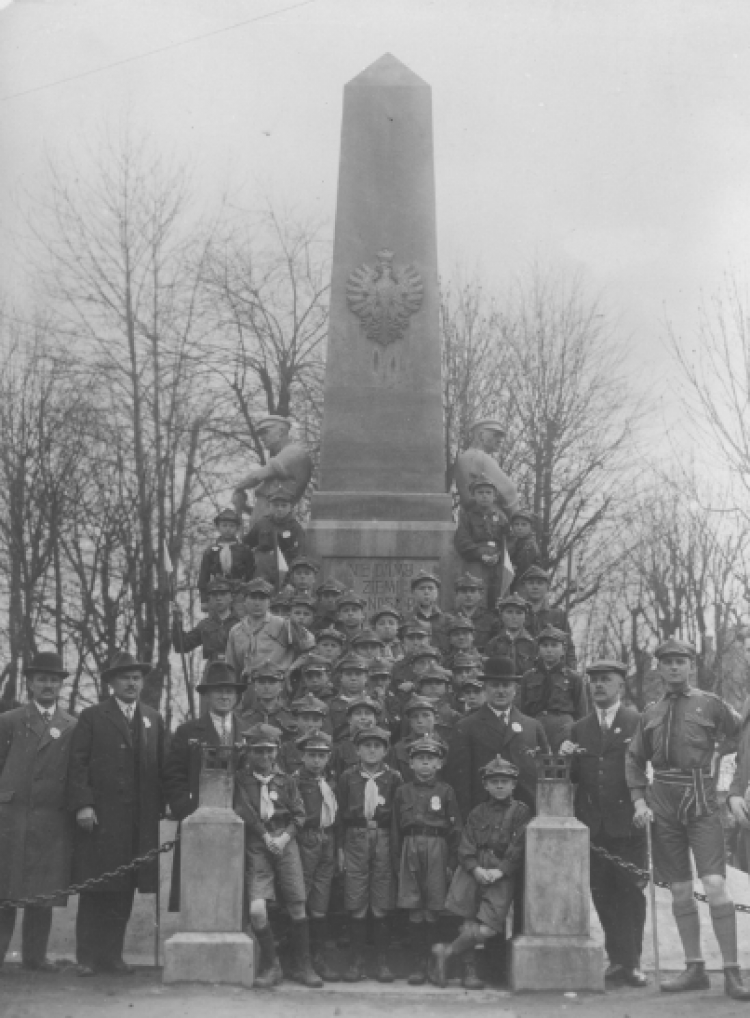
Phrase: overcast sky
(611,136)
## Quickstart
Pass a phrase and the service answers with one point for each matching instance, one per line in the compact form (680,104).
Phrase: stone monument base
(209,958)
(378,558)
(556,963)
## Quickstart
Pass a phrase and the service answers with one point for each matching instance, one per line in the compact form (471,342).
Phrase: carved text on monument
(380,581)
(384,298)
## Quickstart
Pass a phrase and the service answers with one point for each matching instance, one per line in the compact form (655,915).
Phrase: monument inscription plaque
(380,581)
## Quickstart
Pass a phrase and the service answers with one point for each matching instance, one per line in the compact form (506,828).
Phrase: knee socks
(724,923)
(689,927)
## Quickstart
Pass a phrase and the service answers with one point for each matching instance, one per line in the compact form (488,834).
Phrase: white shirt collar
(609,714)
(505,714)
(220,722)
(128,709)
(45,711)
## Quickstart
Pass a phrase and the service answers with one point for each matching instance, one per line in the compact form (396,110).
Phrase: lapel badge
(273,795)
(54,733)
(517,727)
(146,723)
(381,801)
(617,731)
(286,533)
(435,803)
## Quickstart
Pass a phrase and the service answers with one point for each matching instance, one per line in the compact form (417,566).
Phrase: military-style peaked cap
(315,740)
(469,582)
(481,481)
(330,633)
(512,601)
(424,576)
(460,622)
(352,663)
(552,633)
(674,648)
(604,665)
(363,701)
(372,733)
(535,573)
(427,744)
(258,586)
(498,768)
(218,585)
(262,735)
(309,704)
(227,514)
(419,703)
(386,609)
(366,636)
(267,670)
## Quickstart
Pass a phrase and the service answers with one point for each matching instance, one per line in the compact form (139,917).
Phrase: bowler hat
(674,648)
(228,514)
(499,669)
(499,768)
(523,514)
(124,662)
(48,662)
(427,744)
(219,673)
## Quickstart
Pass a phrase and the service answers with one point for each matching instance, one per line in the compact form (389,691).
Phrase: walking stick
(169,568)
(157,913)
(652,895)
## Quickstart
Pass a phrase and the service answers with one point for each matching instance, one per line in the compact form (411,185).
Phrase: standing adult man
(497,727)
(600,743)
(679,735)
(36,832)
(114,791)
(534,586)
(289,461)
(479,458)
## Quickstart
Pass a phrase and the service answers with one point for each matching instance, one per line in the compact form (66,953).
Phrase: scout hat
(469,582)
(460,622)
(412,628)
(472,681)
(535,573)
(262,735)
(489,423)
(315,740)
(366,636)
(219,673)
(423,576)
(498,768)
(229,514)
(604,665)
(427,744)
(349,597)
(363,701)
(302,601)
(257,586)
(330,633)
(309,704)
(281,601)
(552,633)
(464,660)
(371,733)
(124,662)
(218,585)
(269,420)
(313,663)
(303,560)
(419,703)
(351,662)
(499,669)
(281,493)
(435,673)
(330,586)
(481,481)
(48,663)
(380,666)
(387,609)
(512,601)
(428,651)
(267,670)
(523,514)
(675,648)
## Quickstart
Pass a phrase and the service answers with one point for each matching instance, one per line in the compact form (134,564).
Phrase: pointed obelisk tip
(386,72)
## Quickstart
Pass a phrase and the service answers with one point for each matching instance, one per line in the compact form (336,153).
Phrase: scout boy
(481,533)
(426,832)
(270,804)
(301,576)
(434,685)
(212,633)
(316,840)
(460,638)
(350,615)
(512,639)
(419,714)
(330,644)
(385,621)
(310,714)
(490,858)
(351,673)
(534,586)
(425,589)
(328,593)
(379,674)
(363,712)
(365,799)
(469,602)
(315,672)
(267,706)
(275,535)
(523,549)
(552,692)
(471,693)
(228,558)
(417,663)
(367,644)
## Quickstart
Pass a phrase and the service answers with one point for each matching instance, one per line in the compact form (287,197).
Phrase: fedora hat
(219,673)
(123,661)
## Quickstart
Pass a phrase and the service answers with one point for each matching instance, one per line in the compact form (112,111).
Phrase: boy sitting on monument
(276,532)
(351,673)
(365,799)
(425,589)
(523,549)
(328,593)
(552,692)
(227,558)
(270,804)
(350,616)
(469,601)
(317,841)
(330,644)
(385,621)
(426,834)
(310,715)
(419,714)
(513,640)
(363,712)
(490,858)
(480,536)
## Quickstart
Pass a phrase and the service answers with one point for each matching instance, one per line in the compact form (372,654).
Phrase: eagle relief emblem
(384,297)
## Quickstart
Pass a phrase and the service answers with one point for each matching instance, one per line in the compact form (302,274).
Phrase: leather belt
(368,824)
(425,831)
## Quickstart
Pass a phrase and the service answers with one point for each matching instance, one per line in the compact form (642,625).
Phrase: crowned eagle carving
(384,297)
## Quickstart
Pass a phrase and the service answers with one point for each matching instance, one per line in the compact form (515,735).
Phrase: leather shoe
(85,971)
(45,966)
(121,968)
(693,978)
(733,984)
(633,977)
(613,971)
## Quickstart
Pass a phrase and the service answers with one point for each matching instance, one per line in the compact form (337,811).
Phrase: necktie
(225,558)
(267,808)
(603,722)
(46,718)
(371,793)
(226,731)
(328,812)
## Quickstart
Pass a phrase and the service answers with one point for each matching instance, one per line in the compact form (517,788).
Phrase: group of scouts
(396,754)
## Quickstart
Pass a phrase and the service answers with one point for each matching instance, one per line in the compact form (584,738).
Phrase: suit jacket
(603,800)
(119,774)
(478,738)
(36,831)
(183,764)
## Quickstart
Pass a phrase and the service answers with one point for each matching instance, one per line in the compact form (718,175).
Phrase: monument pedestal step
(209,958)
(556,963)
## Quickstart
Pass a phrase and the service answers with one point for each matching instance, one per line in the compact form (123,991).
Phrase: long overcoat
(128,806)
(36,830)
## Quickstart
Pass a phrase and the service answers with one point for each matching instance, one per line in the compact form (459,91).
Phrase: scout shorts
(674,840)
(369,878)
(265,869)
(423,881)
(317,854)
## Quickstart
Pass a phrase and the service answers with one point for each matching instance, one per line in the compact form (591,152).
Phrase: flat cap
(258,586)
(498,768)
(464,660)
(424,576)
(262,735)
(552,633)
(427,744)
(371,733)
(309,704)
(674,648)
(227,514)
(315,740)
(607,665)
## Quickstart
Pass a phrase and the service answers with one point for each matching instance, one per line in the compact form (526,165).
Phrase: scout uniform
(276,714)
(392,649)
(426,832)
(269,538)
(229,560)
(338,707)
(543,616)
(289,759)
(457,624)
(312,664)
(679,735)
(469,682)
(492,838)
(445,715)
(482,532)
(212,633)
(484,618)
(366,638)
(272,805)
(523,551)
(387,700)
(435,619)
(317,847)
(398,755)
(326,618)
(281,605)
(344,753)
(349,598)
(405,676)
(556,695)
(365,812)
(333,634)
(520,646)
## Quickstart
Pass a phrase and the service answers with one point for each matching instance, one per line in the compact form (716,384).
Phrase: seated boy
(310,714)
(425,589)
(469,601)
(490,858)
(419,713)
(350,613)
(228,558)
(365,798)
(426,834)
(523,549)
(385,622)
(351,673)
(328,593)
(266,704)
(276,532)
(330,644)
(301,577)
(273,811)
(316,840)
(367,644)
(363,712)
(552,692)
(480,536)
(513,640)
(460,639)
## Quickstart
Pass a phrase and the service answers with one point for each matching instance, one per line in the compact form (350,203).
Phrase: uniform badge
(517,727)
(146,723)
(273,795)
(617,731)
(435,803)
(286,533)
(54,733)
(381,801)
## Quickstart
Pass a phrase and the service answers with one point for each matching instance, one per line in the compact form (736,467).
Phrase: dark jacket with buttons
(312,797)
(351,795)
(479,533)
(522,649)
(430,804)
(493,836)
(242,568)
(211,633)
(545,616)
(289,810)
(557,690)
(603,800)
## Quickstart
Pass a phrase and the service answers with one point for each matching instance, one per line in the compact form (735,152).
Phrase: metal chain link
(636,871)
(40,899)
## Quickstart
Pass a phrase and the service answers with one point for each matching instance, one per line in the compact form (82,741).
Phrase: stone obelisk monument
(381,512)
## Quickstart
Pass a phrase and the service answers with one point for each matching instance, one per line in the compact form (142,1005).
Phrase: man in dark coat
(114,791)
(217,727)
(36,832)
(599,744)
(497,727)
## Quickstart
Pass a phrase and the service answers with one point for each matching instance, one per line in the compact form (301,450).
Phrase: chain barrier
(636,871)
(40,899)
